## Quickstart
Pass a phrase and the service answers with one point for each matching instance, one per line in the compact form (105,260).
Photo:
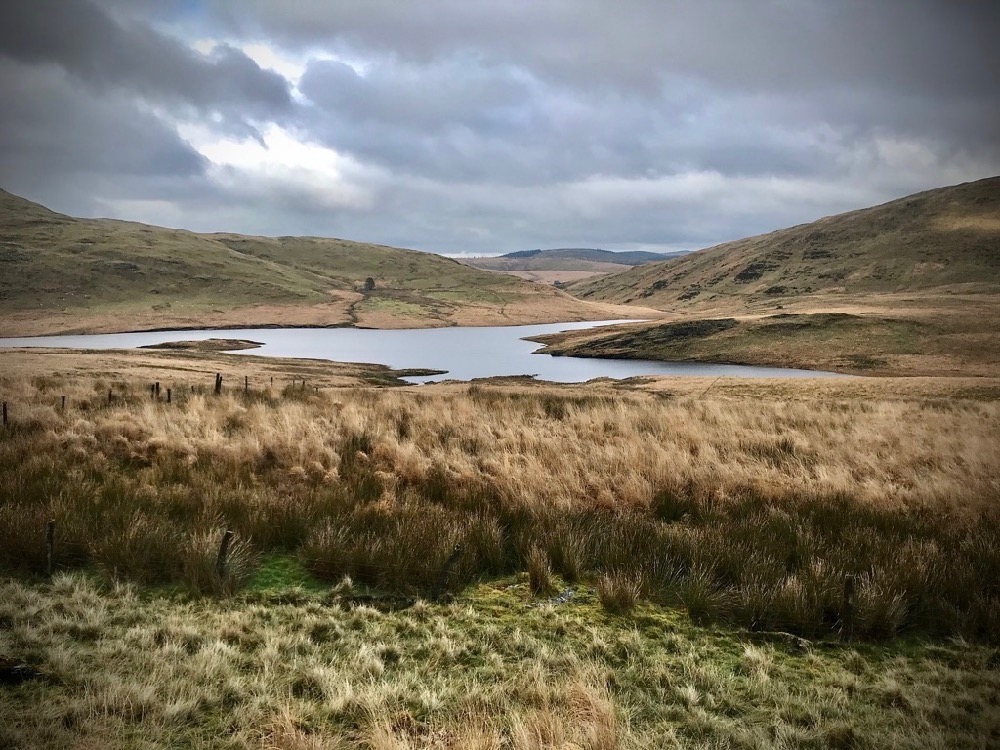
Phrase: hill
(62,274)
(940,238)
(902,288)
(566,264)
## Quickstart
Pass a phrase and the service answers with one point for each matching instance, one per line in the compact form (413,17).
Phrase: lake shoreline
(456,352)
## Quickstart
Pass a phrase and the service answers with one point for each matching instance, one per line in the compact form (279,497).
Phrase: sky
(485,126)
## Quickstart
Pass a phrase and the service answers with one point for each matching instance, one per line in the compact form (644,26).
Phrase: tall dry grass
(744,510)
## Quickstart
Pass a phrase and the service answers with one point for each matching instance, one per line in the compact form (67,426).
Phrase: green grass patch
(277,572)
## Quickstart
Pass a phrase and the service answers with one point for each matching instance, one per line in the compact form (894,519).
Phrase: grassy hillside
(948,237)
(63,274)
(898,289)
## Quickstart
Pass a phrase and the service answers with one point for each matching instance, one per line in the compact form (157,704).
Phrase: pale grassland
(549,446)
(292,670)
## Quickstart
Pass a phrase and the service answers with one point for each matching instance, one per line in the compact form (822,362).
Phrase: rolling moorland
(566,264)
(651,563)
(68,275)
(898,289)
(659,563)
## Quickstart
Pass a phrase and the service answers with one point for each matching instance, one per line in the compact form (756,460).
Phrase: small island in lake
(206,345)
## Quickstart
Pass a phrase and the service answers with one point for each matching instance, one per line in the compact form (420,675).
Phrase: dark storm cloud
(49,124)
(59,143)
(109,54)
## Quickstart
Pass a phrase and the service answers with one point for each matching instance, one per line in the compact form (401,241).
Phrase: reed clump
(741,510)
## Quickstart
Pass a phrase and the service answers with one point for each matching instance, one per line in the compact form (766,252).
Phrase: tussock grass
(741,510)
(618,593)
(539,572)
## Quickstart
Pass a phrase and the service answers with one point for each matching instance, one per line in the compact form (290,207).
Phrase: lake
(465,353)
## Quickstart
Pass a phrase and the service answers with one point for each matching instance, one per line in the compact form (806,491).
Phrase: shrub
(618,592)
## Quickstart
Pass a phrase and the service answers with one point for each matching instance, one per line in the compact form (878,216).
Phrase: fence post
(168,395)
(223,559)
(4,413)
(218,383)
(441,584)
(157,389)
(50,544)
(246,384)
(109,397)
(64,403)
(847,613)
(152,390)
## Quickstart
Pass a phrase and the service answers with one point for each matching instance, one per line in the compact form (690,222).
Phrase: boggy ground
(706,527)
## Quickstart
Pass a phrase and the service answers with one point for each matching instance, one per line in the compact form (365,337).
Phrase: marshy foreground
(500,565)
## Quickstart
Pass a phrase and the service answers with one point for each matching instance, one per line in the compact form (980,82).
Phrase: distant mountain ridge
(566,264)
(621,257)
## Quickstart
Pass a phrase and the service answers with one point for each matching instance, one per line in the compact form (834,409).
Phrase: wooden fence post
(223,559)
(152,390)
(156,389)
(64,403)
(4,413)
(218,383)
(246,384)
(50,544)
(847,613)
(168,395)
(441,584)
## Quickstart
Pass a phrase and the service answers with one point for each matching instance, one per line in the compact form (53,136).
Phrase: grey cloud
(110,54)
(54,135)
(458,119)
(921,67)
(458,91)
(923,45)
